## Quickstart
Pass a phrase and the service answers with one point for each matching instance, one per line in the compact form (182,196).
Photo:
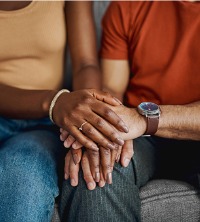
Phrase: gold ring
(81,127)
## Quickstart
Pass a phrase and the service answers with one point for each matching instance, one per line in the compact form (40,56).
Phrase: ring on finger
(81,127)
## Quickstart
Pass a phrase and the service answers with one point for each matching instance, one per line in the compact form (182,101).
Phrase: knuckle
(96,166)
(87,144)
(87,99)
(108,112)
(108,167)
(100,123)
(89,131)
(94,153)
(106,152)
(84,160)
(114,135)
(78,107)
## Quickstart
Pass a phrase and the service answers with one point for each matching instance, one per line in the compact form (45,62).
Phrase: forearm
(82,45)
(180,121)
(88,77)
(24,104)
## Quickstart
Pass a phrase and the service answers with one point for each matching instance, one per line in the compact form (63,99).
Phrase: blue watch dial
(148,106)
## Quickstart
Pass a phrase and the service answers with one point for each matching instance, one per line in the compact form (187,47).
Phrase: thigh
(178,159)
(28,175)
(144,159)
(116,202)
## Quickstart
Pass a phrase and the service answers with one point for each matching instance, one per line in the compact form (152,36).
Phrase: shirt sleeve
(115,29)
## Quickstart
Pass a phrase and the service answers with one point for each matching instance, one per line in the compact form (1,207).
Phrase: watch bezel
(145,112)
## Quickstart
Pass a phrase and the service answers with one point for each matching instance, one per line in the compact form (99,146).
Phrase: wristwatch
(152,113)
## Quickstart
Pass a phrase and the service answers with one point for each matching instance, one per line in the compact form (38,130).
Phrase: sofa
(162,200)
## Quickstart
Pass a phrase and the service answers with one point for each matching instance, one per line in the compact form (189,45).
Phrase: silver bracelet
(53,102)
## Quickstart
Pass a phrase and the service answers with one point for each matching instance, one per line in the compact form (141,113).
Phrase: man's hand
(127,153)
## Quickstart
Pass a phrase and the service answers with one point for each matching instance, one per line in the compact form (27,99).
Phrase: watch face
(148,108)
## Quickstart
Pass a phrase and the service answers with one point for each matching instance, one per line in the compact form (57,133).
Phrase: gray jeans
(154,157)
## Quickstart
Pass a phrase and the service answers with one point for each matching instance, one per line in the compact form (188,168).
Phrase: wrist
(54,101)
(49,95)
(151,112)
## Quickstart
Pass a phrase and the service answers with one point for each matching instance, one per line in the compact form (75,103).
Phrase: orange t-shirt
(161,40)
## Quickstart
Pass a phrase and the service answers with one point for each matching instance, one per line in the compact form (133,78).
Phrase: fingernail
(109,178)
(75,158)
(118,100)
(66,176)
(66,144)
(97,177)
(125,128)
(120,141)
(74,145)
(73,182)
(61,138)
(90,186)
(126,162)
(117,159)
(95,147)
(110,146)
(101,183)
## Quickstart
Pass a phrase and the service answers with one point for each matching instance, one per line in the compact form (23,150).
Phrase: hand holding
(84,106)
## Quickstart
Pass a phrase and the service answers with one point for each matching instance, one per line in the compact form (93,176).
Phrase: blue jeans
(30,153)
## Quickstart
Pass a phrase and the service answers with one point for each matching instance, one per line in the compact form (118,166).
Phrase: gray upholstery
(170,201)
(166,201)
(162,200)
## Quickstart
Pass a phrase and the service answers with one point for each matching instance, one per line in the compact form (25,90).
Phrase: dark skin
(81,21)
(34,103)
(13,5)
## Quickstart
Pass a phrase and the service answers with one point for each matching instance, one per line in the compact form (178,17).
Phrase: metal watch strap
(152,125)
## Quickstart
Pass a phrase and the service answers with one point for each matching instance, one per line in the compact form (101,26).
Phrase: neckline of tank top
(18,11)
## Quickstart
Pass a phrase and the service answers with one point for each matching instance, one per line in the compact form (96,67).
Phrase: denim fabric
(30,153)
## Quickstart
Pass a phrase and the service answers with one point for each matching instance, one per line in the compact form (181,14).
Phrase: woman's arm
(82,44)
(24,104)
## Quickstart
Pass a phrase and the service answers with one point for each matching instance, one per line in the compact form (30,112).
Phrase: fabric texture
(170,201)
(116,202)
(160,40)
(32,45)
(166,201)
(31,156)
(180,199)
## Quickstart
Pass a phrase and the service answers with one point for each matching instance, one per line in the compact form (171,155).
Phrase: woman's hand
(89,106)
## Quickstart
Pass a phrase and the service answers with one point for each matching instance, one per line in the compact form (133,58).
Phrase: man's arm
(180,121)
(115,76)
(176,121)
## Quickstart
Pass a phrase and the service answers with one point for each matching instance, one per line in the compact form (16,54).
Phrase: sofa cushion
(170,200)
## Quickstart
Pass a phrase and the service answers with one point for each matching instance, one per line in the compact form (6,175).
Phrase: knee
(29,160)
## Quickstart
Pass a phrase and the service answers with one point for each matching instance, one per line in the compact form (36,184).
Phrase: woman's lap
(29,175)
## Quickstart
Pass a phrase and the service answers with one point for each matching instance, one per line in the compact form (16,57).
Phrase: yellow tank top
(32,45)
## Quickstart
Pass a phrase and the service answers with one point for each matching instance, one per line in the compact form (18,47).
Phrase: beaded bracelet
(53,102)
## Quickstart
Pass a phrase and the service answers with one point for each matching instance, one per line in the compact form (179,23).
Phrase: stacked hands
(95,126)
